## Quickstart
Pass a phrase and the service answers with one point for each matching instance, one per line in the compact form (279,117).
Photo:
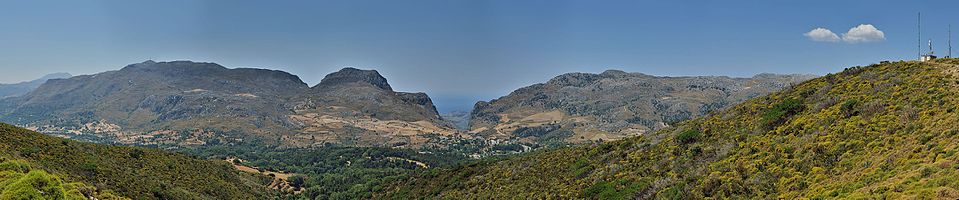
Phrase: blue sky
(461,51)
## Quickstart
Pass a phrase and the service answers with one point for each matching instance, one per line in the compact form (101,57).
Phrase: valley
(355,127)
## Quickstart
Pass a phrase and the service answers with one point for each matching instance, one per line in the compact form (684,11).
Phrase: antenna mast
(919,36)
(950,42)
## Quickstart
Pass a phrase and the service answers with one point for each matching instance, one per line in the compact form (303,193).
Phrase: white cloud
(858,34)
(822,35)
(863,33)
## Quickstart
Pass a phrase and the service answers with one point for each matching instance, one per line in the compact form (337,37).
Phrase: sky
(461,51)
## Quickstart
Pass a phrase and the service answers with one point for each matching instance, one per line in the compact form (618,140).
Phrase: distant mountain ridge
(18,89)
(185,103)
(195,103)
(582,107)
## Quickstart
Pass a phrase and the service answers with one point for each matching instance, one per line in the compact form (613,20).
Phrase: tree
(297,181)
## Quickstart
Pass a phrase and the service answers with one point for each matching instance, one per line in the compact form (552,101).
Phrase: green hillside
(885,131)
(137,173)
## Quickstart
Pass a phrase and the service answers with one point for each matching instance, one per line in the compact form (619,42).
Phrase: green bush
(580,168)
(782,111)
(688,136)
(848,107)
(19,181)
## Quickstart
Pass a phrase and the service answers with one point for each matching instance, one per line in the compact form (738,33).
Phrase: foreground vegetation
(333,172)
(19,180)
(133,172)
(886,131)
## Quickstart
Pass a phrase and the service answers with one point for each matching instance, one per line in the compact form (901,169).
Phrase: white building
(929,56)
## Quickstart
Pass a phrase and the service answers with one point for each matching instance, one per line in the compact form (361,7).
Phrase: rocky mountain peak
(353,75)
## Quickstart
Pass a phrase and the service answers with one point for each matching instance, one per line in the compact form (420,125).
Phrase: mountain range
(185,103)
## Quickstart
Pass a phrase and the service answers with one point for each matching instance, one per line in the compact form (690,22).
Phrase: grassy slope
(884,131)
(138,173)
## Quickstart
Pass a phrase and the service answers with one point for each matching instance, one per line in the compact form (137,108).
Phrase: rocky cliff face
(190,103)
(580,107)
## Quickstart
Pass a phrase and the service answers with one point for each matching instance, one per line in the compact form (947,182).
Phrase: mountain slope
(18,89)
(128,171)
(581,107)
(884,131)
(185,103)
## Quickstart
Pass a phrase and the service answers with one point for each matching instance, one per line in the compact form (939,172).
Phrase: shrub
(848,108)
(688,136)
(580,168)
(780,112)
(297,181)
(20,182)
(14,165)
